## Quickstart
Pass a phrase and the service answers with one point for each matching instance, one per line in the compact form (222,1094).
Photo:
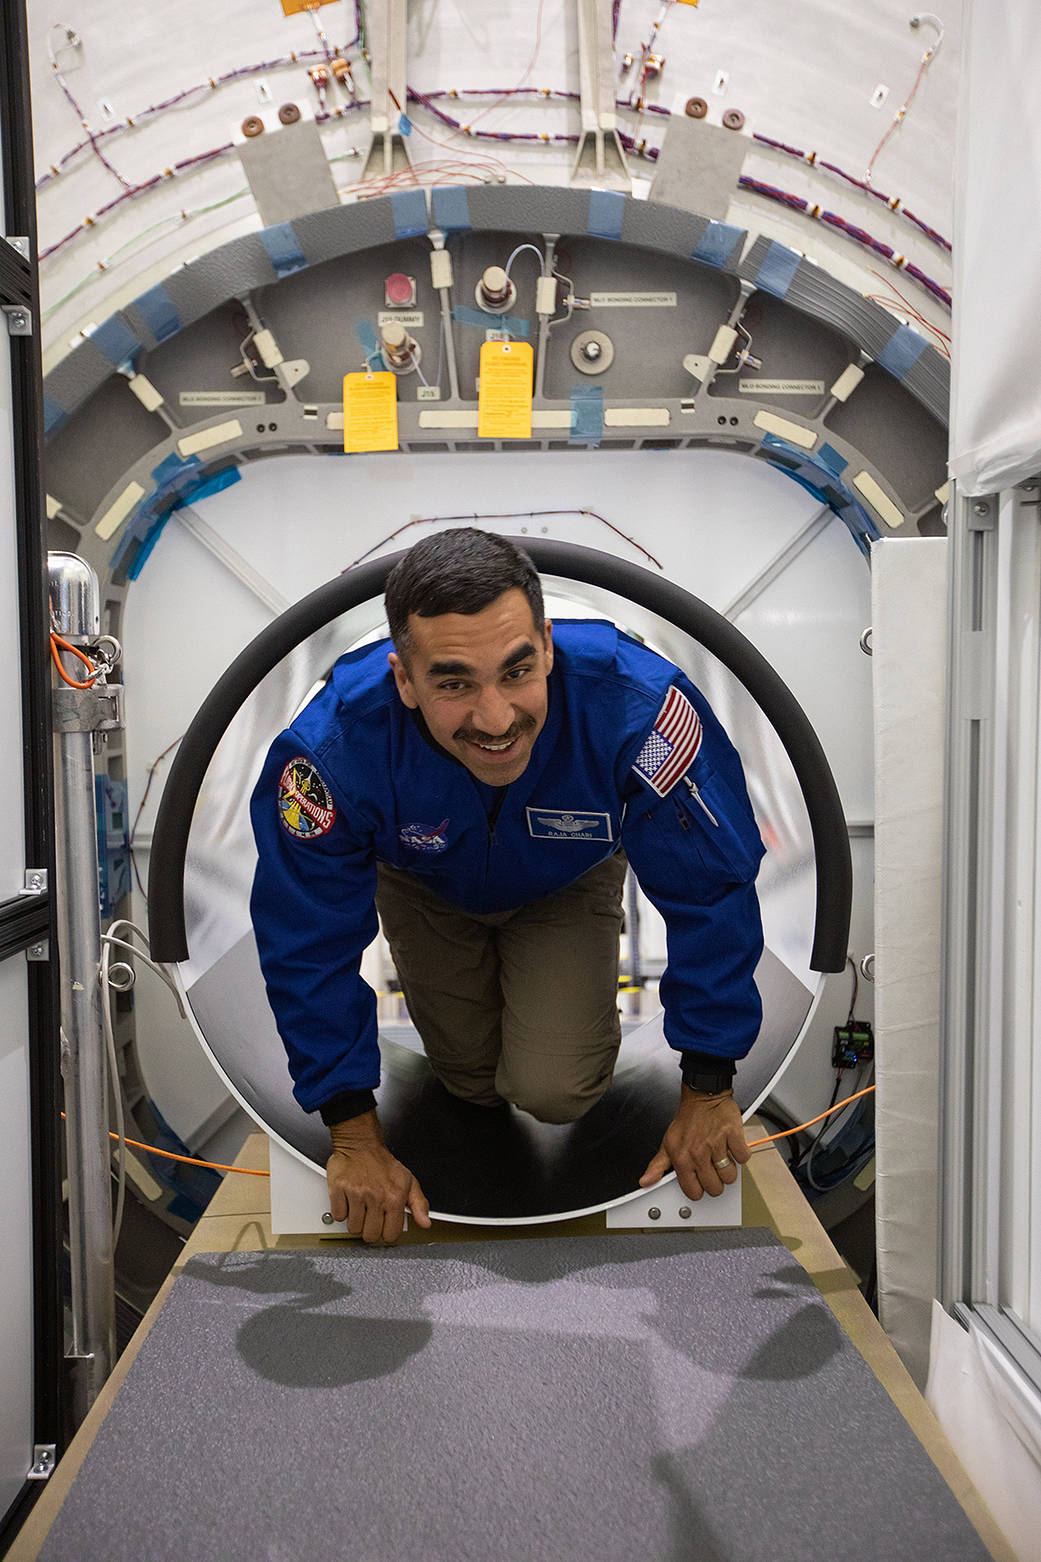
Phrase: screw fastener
(654,1214)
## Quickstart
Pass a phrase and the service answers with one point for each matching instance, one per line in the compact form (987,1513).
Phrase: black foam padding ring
(169,940)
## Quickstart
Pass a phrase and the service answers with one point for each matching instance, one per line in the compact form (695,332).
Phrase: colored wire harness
(57,643)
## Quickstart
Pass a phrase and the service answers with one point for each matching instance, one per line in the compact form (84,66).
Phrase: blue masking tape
(717,244)
(901,352)
(409,210)
(283,248)
(831,460)
(490,322)
(192,489)
(206,486)
(144,552)
(116,341)
(173,470)
(587,414)
(370,342)
(158,311)
(451,207)
(606,210)
(819,479)
(777,270)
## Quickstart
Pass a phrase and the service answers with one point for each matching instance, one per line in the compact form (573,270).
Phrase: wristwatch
(707,1079)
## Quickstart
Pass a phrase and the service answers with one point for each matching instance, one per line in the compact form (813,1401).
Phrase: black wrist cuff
(706,1071)
(348,1104)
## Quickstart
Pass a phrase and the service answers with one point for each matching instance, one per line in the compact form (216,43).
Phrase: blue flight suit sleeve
(313,911)
(696,855)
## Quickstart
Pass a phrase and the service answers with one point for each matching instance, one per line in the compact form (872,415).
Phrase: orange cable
(190,1160)
(56,641)
(247,1172)
(789,1131)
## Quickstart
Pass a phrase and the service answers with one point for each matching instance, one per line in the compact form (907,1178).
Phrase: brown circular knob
(695,108)
(733,119)
(289,113)
(253,125)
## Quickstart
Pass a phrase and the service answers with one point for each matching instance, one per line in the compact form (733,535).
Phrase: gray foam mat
(643,1398)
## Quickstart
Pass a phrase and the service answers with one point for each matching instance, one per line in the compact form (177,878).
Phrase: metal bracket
(99,709)
(981,515)
(45,1459)
(18,242)
(19,320)
(39,951)
(35,882)
(666,1205)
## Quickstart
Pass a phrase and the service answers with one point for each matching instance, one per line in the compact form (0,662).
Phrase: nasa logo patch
(424,837)
(305,804)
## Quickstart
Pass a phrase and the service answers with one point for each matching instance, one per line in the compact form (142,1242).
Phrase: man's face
(479,680)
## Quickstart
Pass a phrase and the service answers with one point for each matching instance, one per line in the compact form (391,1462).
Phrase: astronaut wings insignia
(563,824)
(672,744)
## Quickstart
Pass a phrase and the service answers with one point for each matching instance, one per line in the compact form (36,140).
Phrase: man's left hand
(704,1144)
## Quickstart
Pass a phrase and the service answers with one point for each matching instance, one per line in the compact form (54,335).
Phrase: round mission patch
(305,804)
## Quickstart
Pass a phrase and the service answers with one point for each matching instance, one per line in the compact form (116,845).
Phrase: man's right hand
(368,1188)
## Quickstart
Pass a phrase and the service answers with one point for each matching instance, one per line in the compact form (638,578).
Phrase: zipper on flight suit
(492,819)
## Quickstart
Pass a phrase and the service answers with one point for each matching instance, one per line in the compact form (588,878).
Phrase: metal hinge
(35,882)
(19,320)
(45,1458)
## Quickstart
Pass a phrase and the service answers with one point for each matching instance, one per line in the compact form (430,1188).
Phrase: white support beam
(600,159)
(385,29)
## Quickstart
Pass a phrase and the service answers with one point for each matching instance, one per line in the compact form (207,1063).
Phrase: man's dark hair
(459,571)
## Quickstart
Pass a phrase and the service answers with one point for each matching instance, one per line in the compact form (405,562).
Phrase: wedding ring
(719,1165)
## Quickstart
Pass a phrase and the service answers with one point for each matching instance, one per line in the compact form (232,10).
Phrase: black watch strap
(707,1074)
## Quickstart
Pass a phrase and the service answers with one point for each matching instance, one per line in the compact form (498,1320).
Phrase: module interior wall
(804,74)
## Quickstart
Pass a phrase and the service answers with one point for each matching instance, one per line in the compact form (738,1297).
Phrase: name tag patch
(561,824)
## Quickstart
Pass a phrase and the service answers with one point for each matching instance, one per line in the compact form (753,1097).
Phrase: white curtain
(996,384)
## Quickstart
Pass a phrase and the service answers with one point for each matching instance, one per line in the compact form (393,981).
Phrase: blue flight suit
(631,755)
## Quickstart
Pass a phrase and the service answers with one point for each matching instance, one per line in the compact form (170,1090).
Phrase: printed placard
(781,387)
(411,319)
(370,412)
(632,300)
(221,398)
(504,398)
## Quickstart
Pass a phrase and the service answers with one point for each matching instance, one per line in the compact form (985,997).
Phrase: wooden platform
(237,1220)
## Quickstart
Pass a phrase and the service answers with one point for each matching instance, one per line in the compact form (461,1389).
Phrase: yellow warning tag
(370,412)
(504,399)
(294,7)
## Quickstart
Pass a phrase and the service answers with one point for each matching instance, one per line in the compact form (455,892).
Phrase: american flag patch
(671,745)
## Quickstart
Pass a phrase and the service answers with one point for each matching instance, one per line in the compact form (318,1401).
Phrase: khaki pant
(517,1006)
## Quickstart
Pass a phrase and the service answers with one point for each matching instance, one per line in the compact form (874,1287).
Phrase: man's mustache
(471,735)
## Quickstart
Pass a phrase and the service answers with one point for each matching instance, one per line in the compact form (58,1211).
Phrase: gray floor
(640,1398)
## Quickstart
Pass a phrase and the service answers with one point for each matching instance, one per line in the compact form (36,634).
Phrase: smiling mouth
(493,747)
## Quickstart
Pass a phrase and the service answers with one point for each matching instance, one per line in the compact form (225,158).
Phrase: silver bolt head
(981,509)
(685,1212)
(327,1219)
(592,351)
(654,1214)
